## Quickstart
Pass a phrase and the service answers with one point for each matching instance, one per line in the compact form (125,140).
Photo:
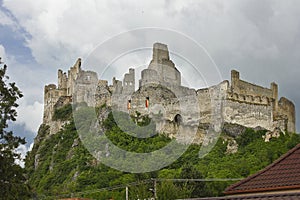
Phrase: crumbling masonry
(233,102)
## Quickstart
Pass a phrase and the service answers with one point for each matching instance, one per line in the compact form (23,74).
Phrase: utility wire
(144,182)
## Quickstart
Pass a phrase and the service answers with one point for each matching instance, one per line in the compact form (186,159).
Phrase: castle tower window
(147,102)
(88,78)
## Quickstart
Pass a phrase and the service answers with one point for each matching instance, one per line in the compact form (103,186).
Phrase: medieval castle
(160,93)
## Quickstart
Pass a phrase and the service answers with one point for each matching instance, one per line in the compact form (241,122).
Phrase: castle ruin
(234,102)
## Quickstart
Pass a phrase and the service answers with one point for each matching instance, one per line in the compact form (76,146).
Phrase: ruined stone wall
(263,108)
(167,73)
(235,102)
(62,101)
(205,105)
(247,109)
(246,88)
(149,76)
(249,99)
(161,69)
(241,87)
(62,94)
(50,98)
(167,107)
(286,111)
(129,82)
(248,104)
(64,88)
(211,102)
(160,52)
(116,87)
(62,81)
(249,115)
(72,76)
(103,94)
(85,87)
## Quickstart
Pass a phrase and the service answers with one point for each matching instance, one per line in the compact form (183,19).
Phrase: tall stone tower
(161,69)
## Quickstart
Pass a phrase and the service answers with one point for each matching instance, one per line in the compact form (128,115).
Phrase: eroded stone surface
(170,104)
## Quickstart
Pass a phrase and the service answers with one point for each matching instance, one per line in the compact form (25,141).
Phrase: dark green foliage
(66,167)
(12,180)
(116,133)
(293,141)
(168,190)
(63,113)
(249,136)
(189,171)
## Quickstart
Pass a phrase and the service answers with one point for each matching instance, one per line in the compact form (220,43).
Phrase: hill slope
(60,166)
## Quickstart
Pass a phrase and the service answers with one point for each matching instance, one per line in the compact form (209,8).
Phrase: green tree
(168,190)
(189,171)
(12,180)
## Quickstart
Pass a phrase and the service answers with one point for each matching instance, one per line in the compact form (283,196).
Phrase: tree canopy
(12,180)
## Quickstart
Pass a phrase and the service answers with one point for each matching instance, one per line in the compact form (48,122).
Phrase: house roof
(283,196)
(283,174)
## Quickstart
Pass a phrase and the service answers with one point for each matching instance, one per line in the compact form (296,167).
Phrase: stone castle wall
(235,101)
(286,112)
(249,115)
(75,86)
(242,87)
(129,82)
(161,69)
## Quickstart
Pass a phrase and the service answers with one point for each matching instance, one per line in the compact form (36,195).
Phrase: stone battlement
(242,87)
(242,102)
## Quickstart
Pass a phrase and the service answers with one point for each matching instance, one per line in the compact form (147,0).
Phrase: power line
(144,182)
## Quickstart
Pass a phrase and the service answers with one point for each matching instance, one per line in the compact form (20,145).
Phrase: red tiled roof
(288,196)
(283,174)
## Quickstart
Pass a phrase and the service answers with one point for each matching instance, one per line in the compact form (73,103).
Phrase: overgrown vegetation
(63,113)
(130,133)
(60,166)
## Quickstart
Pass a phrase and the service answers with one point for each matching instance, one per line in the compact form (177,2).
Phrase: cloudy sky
(259,38)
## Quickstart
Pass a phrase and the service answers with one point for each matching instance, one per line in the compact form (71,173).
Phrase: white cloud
(22,149)
(2,53)
(30,114)
(260,38)
(30,110)
(64,30)
(5,20)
